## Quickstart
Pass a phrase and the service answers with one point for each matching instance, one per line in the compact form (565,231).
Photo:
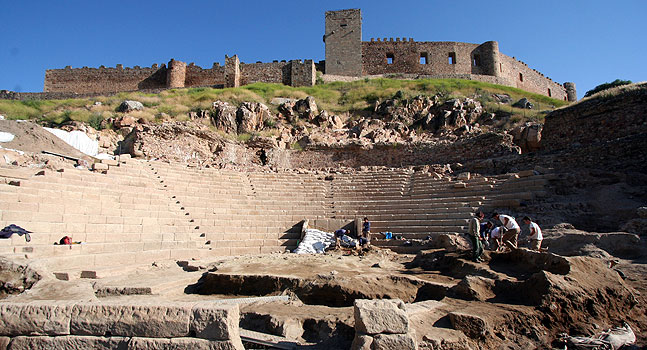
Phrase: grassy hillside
(337,97)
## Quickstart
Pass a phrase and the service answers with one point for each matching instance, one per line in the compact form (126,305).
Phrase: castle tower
(232,71)
(491,60)
(175,74)
(343,39)
(571,93)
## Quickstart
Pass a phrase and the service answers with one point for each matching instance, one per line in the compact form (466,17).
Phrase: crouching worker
(511,230)
(475,236)
(338,237)
(535,237)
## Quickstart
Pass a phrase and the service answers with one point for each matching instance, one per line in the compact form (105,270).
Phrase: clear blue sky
(586,42)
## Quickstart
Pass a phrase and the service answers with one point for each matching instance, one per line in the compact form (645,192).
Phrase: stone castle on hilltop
(346,56)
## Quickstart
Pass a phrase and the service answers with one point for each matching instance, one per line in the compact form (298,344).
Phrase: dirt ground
(524,299)
(30,137)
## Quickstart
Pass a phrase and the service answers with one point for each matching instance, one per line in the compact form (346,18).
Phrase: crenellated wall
(178,74)
(437,59)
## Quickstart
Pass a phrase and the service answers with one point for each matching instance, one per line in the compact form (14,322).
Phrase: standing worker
(535,236)
(511,228)
(475,236)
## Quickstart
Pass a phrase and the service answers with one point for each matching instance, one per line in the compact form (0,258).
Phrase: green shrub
(606,86)
(95,120)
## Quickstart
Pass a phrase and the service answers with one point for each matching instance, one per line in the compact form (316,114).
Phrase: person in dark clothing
(12,229)
(365,239)
(475,236)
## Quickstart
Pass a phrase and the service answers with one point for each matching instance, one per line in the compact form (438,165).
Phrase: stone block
(99,166)
(69,342)
(4,342)
(35,318)
(464,176)
(144,320)
(460,185)
(380,316)
(473,326)
(219,322)
(111,162)
(362,342)
(182,344)
(394,341)
(526,173)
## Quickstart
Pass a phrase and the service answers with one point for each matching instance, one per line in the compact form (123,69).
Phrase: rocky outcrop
(223,117)
(305,108)
(250,116)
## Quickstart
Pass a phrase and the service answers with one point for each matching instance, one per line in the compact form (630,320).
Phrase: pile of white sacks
(315,241)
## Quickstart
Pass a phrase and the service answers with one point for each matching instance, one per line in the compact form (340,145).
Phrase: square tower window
(520,76)
(451,58)
(389,58)
(424,58)
(476,60)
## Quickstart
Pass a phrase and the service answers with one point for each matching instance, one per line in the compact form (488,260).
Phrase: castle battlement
(346,55)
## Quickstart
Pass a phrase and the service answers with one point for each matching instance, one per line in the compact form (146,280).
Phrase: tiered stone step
(120,219)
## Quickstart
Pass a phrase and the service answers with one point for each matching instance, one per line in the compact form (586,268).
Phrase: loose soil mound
(30,137)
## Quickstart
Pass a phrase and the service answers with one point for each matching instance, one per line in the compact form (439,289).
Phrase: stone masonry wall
(483,146)
(533,80)
(115,325)
(343,38)
(406,57)
(198,76)
(597,120)
(273,72)
(103,79)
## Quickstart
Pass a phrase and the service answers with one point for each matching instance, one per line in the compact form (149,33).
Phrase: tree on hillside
(605,86)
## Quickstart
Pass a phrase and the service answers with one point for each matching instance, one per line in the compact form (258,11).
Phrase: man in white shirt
(535,237)
(511,228)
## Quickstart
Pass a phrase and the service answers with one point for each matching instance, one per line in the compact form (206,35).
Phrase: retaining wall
(97,325)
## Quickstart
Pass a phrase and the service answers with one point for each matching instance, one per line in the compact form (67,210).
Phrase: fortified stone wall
(343,38)
(400,56)
(176,75)
(433,59)
(198,76)
(104,79)
(523,77)
(273,72)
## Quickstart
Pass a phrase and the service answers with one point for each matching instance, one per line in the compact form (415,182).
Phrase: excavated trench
(326,290)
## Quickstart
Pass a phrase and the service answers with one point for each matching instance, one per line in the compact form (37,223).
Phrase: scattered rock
(523,103)
(129,106)
(473,326)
